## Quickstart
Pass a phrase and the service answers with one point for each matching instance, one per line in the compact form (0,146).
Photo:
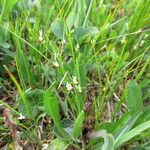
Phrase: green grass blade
(20,91)
(7,7)
(129,135)
(127,126)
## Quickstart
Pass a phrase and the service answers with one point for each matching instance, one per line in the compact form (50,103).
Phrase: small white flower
(56,64)
(69,86)
(135,47)
(31,20)
(77,47)
(40,35)
(104,89)
(142,42)
(79,88)
(145,36)
(105,46)
(64,41)
(55,55)
(74,80)
(45,146)
(21,117)
(123,39)
(127,26)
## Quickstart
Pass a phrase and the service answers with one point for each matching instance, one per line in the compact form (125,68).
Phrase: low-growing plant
(74,74)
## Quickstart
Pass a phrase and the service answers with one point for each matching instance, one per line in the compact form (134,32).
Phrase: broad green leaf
(58,28)
(108,142)
(35,100)
(134,132)
(57,144)
(77,128)
(127,126)
(67,125)
(8,52)
(134,97)
(52,108)
(81,33)
(5,45)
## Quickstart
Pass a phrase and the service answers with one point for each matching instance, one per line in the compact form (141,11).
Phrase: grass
(74,74)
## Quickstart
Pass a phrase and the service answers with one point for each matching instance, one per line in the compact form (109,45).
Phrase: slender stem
(3,11)
(88,12)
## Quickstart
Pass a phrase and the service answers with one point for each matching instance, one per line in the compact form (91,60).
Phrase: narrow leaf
(129,135)
(71,18)
(127,126)
(77,128)
(20,91)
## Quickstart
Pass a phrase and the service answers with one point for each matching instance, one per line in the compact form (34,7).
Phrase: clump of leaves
(35,99)
(97,42)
